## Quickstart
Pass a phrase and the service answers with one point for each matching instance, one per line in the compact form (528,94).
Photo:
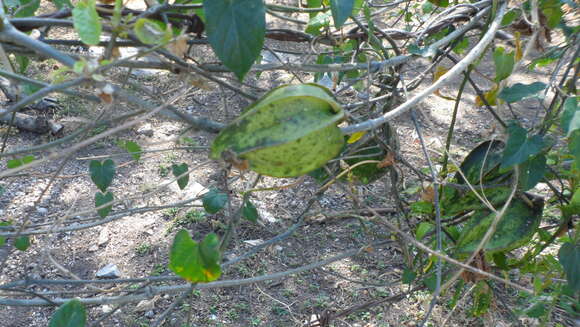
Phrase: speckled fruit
(289,132)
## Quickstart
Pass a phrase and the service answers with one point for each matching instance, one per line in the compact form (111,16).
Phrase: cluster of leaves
(488,169)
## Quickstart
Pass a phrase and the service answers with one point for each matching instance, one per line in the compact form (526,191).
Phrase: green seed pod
(289,132)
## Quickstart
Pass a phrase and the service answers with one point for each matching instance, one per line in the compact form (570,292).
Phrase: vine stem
(460,67)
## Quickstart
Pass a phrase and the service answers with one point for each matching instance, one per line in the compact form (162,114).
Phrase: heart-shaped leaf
(521,91)
(86,22)
(504,63)
(102,173)
(341,10)
(519,146)
(532,171)
(569,256)
(516,227)
(196,263)
(570,120)
(101,199)
(214,201)
(179,170)
(132,147)
(236,30)
(22,243)
(70,314)
(472,167)
(249,211)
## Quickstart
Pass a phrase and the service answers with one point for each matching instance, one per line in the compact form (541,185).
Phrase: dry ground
(139,243)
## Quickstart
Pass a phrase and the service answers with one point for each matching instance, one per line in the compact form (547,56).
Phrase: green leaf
(570,120)
(552,9)
(430,282)
(547,58)
(86,22)
(22,243)
(152,32)
(504,63)
(102,173)
(289,132)
(317,22)
(62,4)
(521,91)
(537,310)
(427,7)
(510,16)
(19,161)
(481,299)
(422,230)
(500,260)
(461,46)
(532,171)
(249,211)
(574,147)
(519,146)
(341,10)
(132,147)
(472,167)
(101,199)
(179,170)
(457,294)
(214,201)
(27,8)
(516,227)
(70,314)
(236,30)
(569,257)
(408,276)
(440,3)
(196,263)
(23,63)
(422,207)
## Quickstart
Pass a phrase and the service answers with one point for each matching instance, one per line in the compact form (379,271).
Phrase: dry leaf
(428,194)
(388,161)
(116,52)
(147,305)
(440,71)
(479,263)
(106,93)
(200,82)
(179,46)
(518,42)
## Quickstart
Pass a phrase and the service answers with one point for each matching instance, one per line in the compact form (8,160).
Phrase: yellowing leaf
(195,262)
(518,42)
(490,96)
(355,137)
(440,71)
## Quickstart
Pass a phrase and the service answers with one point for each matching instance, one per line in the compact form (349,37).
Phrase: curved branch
(473,55)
